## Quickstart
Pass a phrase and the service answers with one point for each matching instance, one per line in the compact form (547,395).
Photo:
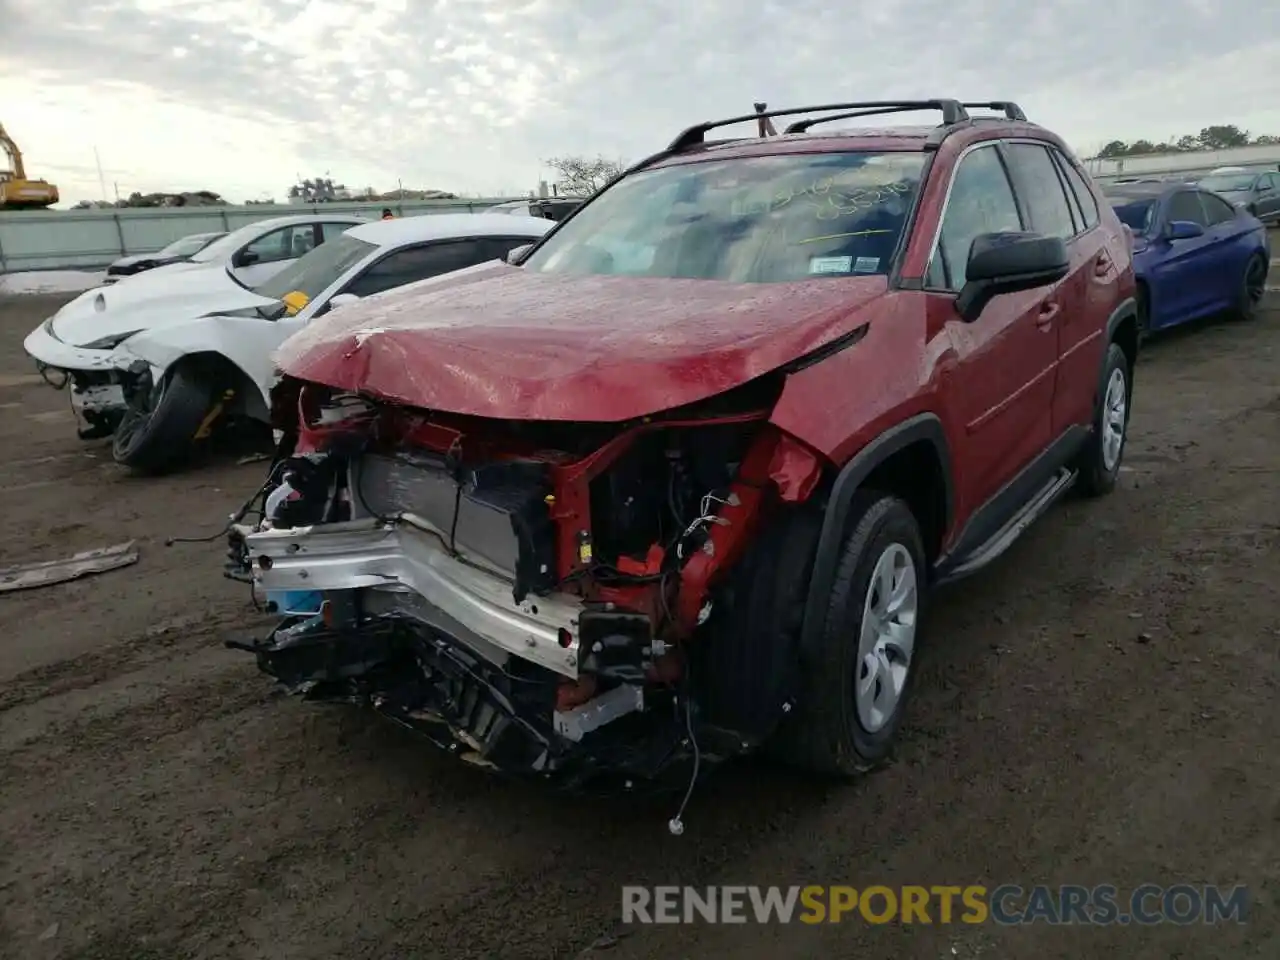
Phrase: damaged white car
(162,372)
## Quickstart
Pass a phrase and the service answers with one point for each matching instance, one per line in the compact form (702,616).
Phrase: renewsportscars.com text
(1006,905)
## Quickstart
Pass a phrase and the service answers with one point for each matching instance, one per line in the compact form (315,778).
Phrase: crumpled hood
(157,297)
(500,341)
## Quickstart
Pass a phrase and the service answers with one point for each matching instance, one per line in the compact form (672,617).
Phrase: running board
(1004,538)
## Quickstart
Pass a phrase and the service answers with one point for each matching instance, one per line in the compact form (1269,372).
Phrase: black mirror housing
(1001,263)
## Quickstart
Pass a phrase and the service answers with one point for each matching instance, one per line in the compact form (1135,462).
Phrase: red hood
(500,341)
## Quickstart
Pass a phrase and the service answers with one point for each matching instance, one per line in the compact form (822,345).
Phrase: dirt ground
(1098,707)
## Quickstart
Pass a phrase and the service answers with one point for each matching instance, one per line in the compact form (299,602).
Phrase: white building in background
(1196,162)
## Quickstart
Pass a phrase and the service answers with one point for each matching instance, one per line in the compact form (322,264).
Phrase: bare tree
(583,176)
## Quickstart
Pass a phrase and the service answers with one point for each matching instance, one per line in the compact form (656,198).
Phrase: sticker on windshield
(830,264)
(866,265)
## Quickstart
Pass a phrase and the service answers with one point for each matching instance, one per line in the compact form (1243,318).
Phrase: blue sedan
(1193,252)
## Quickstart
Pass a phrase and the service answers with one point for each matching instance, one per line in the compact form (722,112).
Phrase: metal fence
(1191,165)
(91,239)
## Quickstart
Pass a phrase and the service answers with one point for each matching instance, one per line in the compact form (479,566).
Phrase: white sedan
(256,252)
(161,373)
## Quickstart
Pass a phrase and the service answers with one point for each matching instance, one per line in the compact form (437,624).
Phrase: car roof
(274,222)
(904,138)
(1139,191)
(442,226)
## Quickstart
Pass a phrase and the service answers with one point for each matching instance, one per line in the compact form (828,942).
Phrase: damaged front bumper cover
(101,380)
(440,646)
(424,680)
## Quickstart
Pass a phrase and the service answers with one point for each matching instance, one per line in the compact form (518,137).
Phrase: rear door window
(1185,205)
(330,230)
(1085,199)
(420,263)
(1216,209)
(1040,190)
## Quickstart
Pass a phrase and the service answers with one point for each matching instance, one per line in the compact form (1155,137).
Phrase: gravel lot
(1098,707)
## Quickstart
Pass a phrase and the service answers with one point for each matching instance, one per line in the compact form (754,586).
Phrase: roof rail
(952,112)
(1010,109)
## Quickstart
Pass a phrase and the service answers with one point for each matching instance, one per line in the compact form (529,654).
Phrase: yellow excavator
(16,191)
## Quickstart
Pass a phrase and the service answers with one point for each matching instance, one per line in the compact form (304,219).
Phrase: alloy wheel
(1114,407)
(887,638)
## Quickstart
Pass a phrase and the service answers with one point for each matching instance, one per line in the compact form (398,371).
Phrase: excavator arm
(13,153)
(16,191)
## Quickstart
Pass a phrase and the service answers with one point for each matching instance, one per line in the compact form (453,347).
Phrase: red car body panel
(497,341)
(507,343)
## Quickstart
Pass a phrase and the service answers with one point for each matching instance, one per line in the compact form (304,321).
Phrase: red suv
(675,482)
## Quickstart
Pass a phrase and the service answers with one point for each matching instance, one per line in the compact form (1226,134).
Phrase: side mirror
(246,257)
(1183,230)
(515,254)
(342,299)
(1001,263)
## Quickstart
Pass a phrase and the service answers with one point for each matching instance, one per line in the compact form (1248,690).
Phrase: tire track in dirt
(157,644)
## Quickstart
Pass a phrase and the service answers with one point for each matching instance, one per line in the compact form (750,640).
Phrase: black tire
(1144,313)
(159,431)
(825,734)
(1253,286)
(1098,474)
(750,655)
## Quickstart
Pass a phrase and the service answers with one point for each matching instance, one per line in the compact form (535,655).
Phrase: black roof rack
(1010,109)
(952,112)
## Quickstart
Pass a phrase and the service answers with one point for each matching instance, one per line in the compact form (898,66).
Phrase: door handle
(1049,311)
(1102,266)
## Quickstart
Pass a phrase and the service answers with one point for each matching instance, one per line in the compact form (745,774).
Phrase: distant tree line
(1220,137)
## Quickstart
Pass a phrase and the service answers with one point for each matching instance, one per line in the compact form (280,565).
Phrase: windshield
(189,245)
(747,220)
(313,272)
(1229,182)
(1136,214)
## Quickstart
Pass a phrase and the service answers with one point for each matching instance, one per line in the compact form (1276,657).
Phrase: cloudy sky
(240,96)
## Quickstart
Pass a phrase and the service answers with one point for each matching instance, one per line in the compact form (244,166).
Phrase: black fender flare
(923,426)
(1128,308)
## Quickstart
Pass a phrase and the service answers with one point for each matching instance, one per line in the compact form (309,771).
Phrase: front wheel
(1099,462)
(1253,286)
(854,686)
(159,429)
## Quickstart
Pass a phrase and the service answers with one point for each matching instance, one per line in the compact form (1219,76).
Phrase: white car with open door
(161,378)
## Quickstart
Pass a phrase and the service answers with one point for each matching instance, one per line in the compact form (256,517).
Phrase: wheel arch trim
(926,427)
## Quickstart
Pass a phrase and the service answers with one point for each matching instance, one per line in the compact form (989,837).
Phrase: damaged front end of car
(534,597)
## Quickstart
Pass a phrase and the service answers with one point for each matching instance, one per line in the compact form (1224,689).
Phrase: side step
(1004,538)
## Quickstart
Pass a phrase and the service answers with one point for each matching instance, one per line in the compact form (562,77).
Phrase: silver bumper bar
(410,554)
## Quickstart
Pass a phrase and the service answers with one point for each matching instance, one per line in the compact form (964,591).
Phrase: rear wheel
(855,685)
(1099,462)
(1253,286)
(1144,313)
(159,429)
